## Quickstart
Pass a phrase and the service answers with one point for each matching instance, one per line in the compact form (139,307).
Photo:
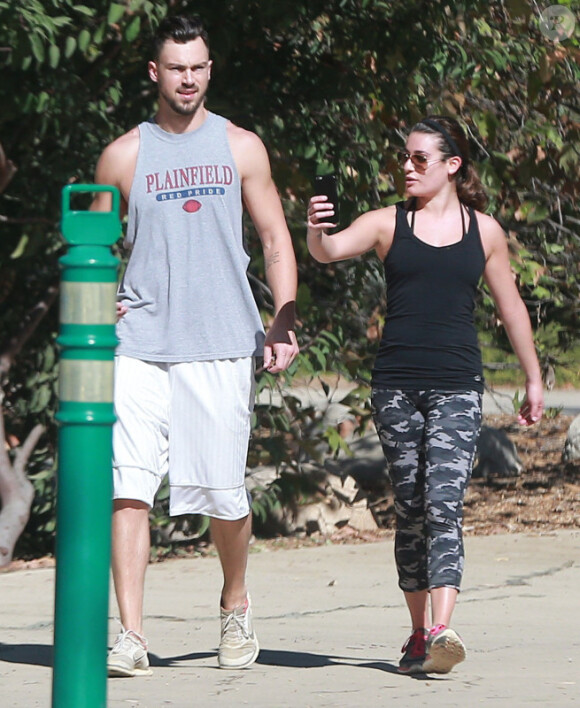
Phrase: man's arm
(263,203)
(116,167)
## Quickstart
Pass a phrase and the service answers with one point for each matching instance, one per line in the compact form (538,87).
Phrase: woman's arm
(514,315)
(373,230)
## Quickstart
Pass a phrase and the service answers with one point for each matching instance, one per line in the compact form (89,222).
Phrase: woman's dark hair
(179,29)
(453,142)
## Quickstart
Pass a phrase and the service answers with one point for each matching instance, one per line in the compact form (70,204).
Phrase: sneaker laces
(235,624)
(126,639)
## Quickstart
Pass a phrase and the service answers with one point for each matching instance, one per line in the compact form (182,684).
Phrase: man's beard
(188,109)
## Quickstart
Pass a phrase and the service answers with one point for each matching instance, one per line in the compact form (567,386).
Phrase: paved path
(498,400)
(331,622)
(501,400)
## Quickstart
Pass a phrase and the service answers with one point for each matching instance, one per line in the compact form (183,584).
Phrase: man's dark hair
(179,29)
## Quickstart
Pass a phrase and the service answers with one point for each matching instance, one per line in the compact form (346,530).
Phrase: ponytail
(470,190)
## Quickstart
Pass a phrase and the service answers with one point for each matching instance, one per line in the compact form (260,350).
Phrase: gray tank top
(186,284)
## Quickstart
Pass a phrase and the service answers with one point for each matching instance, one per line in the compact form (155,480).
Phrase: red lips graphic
(191,206)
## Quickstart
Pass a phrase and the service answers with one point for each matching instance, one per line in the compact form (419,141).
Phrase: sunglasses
(420,161)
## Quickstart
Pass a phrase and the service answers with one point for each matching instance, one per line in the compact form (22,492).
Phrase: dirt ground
(544,497)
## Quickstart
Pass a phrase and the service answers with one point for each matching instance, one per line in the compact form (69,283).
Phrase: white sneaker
(128,657)
(238,643)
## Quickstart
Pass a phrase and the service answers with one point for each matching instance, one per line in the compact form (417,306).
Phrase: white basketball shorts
(190,420)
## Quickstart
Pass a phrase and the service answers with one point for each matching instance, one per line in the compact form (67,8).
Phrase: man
(189,330)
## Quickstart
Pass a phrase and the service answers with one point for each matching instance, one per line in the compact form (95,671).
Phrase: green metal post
(84,485)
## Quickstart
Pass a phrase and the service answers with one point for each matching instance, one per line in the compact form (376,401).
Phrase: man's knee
(130,505)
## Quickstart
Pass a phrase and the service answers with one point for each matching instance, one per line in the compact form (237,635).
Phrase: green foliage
(169,534)
(517,401)
(266,501)
(550,413)
(329,85)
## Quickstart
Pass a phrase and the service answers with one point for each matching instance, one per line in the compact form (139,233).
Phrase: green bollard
(84,484)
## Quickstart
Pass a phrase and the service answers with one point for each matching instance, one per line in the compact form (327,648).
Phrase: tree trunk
(16,491)
(7,170)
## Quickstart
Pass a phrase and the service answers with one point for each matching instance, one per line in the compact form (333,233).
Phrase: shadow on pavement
(36,654)
(168,661)
(306,660)
(393,669)
(42,655)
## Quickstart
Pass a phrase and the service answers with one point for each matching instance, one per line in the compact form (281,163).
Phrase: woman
(427,382)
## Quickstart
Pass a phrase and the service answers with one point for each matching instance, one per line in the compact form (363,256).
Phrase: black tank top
(429,340)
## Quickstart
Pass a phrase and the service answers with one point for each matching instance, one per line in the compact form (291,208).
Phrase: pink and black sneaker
(413,653)
(444,649)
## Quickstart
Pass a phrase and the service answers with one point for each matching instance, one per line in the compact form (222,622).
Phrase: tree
(329,85)
(16,490)
(57,96)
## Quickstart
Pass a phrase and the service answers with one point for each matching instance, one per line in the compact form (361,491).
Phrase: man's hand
(121,310)
(281,346)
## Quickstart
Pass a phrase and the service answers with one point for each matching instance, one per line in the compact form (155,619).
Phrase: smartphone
(328,186)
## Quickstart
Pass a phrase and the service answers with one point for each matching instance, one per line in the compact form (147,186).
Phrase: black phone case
(327,185)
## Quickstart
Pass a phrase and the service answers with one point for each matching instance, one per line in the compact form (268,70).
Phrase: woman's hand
(319,214)
(533,406)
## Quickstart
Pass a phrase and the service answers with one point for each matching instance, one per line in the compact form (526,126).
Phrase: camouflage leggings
(429,440)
